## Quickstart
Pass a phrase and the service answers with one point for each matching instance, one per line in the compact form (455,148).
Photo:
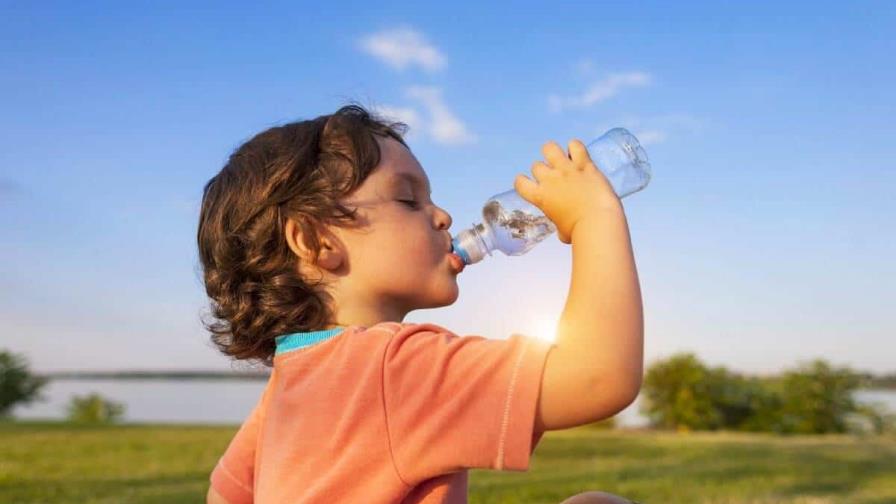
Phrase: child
(316,239)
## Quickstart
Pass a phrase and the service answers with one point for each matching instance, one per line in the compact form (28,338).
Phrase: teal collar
(294,341)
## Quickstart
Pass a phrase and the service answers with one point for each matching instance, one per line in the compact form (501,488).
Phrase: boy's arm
(595,370)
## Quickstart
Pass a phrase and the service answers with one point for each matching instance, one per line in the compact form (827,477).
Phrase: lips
(456,262)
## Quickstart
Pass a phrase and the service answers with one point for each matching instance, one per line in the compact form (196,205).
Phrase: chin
(445,296)
(454,294)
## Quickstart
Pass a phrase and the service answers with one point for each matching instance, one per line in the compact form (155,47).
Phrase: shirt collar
(296,340)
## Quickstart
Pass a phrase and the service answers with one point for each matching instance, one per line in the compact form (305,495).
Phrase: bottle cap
(468,246)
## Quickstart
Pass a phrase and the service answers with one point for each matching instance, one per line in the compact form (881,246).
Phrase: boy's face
(397,260)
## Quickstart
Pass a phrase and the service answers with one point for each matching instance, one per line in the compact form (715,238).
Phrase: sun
(543,327)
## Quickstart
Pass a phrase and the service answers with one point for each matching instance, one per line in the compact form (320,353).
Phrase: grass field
(58,462)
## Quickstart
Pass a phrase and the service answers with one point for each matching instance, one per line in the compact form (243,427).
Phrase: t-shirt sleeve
(459,402)
(234,475)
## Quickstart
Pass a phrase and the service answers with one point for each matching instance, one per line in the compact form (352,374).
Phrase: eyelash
(410,203)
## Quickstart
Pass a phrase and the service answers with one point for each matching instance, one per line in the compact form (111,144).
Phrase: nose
(443,219)
(443,222)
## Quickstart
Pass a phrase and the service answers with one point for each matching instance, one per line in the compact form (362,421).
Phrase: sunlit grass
(58,462)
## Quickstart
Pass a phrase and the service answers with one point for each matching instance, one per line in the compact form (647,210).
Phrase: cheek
(411,246)
(398,243)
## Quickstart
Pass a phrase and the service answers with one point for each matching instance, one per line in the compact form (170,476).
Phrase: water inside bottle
(518,225)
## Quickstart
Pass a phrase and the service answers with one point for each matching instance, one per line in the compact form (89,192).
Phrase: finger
(526,188)
(562,237)
(554,154)
(578,153)
(539,170)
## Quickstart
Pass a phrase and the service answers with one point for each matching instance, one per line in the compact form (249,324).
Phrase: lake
(227,401)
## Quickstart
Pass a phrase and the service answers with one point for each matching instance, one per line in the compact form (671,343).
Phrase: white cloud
(600,91)
(401,47)
(438,121)
(443,125)
(650,137)
(406,115)
(653,130)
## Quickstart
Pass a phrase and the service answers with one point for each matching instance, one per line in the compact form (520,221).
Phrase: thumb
(526,188)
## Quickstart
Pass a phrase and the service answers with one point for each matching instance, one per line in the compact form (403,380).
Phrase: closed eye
(410,203)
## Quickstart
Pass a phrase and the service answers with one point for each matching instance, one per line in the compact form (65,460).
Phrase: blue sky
(765,238)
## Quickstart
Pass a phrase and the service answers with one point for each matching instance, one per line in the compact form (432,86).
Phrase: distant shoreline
(870,384)
(157,375)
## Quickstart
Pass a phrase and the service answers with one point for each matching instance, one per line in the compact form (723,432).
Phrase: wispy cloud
(600,91)
(657,129)
(406,115)
(437,121)
(443,125)
(403,47)
(651,137)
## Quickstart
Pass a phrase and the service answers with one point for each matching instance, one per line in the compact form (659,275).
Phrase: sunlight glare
(543,327)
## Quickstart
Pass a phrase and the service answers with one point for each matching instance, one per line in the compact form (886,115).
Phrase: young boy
(316,239)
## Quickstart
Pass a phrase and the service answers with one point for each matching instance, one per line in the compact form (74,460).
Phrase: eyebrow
(413,179)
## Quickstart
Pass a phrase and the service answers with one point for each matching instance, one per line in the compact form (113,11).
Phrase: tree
(677,394)
(735,398)
(817,398)
(681,393)
(17,384)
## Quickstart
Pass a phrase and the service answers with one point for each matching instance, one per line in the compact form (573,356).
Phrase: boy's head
(320,223)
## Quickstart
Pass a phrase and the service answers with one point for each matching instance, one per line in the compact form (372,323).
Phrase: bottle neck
(473,244)
(486,239)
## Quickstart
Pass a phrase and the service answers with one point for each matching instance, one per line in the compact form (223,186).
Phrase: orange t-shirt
(392,413)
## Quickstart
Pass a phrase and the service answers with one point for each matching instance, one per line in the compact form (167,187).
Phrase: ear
(331,253)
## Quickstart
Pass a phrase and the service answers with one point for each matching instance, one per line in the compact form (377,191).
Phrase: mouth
(456,262)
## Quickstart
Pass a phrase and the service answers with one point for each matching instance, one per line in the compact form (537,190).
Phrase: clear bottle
(513,225)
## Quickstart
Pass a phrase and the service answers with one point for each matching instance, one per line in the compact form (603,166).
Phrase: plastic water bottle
(513,225)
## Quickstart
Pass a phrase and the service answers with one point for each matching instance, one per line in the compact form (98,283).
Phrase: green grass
(58,462)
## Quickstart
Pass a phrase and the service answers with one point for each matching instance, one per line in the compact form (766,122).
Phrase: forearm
(602,320)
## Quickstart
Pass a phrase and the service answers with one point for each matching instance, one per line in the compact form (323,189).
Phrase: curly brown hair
(300,170)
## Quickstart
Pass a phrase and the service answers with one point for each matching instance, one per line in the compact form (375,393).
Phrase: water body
(229,401)
(155,400)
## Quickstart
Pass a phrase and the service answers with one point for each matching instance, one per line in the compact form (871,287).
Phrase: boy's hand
(568,188)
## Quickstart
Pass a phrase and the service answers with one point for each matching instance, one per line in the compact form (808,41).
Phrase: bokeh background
(764,243)
(764,239)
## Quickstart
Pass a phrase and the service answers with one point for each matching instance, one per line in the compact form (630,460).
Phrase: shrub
(93,408)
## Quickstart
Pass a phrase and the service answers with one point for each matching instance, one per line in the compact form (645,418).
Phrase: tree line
(682,393)
(679,393)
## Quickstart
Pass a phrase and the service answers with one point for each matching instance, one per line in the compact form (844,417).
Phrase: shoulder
(401,331)
(424,333)
(413,344)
